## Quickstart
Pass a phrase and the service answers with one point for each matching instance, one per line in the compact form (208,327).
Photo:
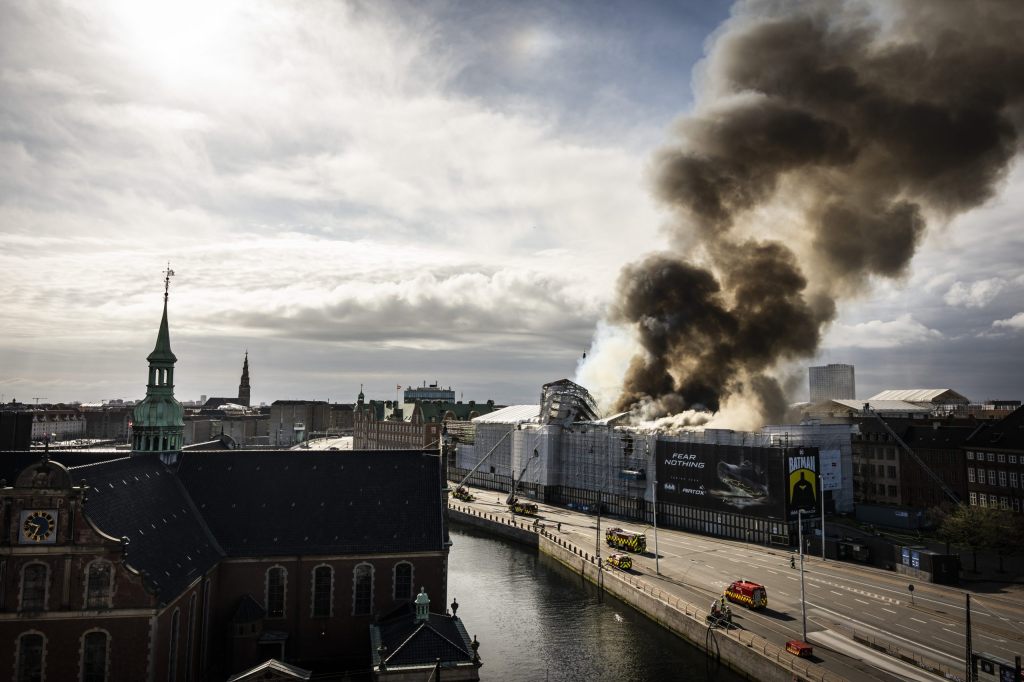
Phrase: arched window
(403,581)
(172,648)
(323,591)
(31,657)
(98,585)
(34,579)
(276,576)
(362,590)
(188,636)
(95,650)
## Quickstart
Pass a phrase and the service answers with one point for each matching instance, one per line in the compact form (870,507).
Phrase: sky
(385,193)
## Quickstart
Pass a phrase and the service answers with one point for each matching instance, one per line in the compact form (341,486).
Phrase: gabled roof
(922,395)
(1005,434)
(140,499)
(416,643)
(181,522)
(513,414)
(249,610)
(272,670)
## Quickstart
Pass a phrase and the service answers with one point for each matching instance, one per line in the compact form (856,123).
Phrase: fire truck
(626,539)
(519,507)
(751,595)
(619,560)
(462,494)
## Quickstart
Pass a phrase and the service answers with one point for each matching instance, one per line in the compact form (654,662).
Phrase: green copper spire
(162,350)
(157,421)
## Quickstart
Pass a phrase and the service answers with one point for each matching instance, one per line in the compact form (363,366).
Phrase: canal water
(538,621)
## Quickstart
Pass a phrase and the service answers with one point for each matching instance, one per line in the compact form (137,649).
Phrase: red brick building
(131,569)
(995,464)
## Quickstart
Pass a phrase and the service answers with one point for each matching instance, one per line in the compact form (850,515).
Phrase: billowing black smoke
(824,136)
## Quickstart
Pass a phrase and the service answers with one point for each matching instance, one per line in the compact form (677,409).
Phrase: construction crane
(38,399)
(935,477)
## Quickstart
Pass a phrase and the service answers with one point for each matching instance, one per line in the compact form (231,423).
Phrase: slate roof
(266,503)
(1005,434)
(181,522)
(139,498)
(421,643)
(12,462)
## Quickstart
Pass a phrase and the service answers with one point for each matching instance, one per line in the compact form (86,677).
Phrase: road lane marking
(919,620)
(834,592)
(889,610)
(906,627)
(862,602)
(948,642)
(1001,641)
(874,616)
(954,632)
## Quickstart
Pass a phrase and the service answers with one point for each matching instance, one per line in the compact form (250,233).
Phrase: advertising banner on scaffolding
(732,478)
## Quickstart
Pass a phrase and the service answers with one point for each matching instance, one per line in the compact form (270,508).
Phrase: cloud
(1015,322)
(902,331)
(975,295)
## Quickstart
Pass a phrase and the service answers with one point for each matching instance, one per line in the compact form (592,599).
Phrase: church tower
(157,424)
(243,387)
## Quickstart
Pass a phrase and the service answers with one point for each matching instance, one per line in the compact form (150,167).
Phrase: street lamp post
(657,567)
(800,541)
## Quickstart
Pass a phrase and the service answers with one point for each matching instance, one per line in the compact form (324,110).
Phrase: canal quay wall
(744,652)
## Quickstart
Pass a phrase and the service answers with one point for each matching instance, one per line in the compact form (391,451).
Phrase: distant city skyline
(382,193)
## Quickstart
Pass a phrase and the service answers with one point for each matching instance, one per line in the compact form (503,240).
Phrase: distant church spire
(157,424)
(244,391)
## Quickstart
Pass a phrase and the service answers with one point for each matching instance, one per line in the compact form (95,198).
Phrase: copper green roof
(162,350)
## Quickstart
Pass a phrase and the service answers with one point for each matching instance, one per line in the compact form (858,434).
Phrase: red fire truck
(751,595)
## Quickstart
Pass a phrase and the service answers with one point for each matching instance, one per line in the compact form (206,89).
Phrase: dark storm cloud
(874,117)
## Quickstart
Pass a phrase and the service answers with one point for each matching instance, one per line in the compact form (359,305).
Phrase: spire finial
(168,273)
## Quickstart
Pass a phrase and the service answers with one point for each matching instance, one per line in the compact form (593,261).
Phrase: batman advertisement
(728,478)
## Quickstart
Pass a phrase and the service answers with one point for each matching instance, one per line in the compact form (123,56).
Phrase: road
(841,598)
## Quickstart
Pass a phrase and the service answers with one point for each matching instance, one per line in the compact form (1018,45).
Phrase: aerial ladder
(935,477)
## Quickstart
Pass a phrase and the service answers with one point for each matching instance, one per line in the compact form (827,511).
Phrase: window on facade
(970,455)
(94,657)
(974,499)
(892,491)
(33,587)
(991,457)
(993,501)
(970,474)
(363,590)
(1016,504)
(97,593)
(881,489)
(403,581)
(1013,479)
(172,648)
(881,470)
(1001,458)
(30,658)
(982,500)
(275,592)
(1013,459)
(991,476)
(892,472)
(1004,502)
(188,636)
(1002,478)
(323,578)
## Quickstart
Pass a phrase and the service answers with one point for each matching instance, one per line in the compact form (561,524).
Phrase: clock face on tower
(39,526)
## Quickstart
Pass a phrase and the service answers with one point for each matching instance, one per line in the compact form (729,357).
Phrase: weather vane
(168,273)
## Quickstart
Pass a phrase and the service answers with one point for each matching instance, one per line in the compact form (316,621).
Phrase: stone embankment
(744,652)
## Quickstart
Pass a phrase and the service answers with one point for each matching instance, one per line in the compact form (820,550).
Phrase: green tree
(980,528)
